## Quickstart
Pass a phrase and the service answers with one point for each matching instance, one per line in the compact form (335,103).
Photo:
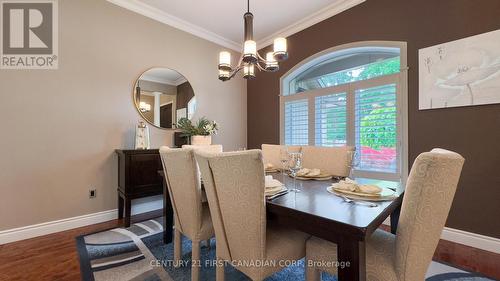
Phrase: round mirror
(163,96)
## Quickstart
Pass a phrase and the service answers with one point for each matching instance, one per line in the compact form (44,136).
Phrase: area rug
(137,253)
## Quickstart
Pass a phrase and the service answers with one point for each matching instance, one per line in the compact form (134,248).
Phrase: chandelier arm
(236,70)
(261,58)
(261,68)
(240,62)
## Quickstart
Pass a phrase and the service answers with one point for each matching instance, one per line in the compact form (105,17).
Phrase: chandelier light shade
(225,61)
(250,58)
(248,71)
(250,51)
(271,63)
(280,52)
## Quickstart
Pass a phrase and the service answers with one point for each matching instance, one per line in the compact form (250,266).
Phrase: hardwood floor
(469,258)
(54,256)
(51,257)
(465,257)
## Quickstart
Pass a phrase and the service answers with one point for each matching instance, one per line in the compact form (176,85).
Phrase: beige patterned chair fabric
(214,148)
(192,217)
(271,153)
(333,160)
(235,190)
(406,256)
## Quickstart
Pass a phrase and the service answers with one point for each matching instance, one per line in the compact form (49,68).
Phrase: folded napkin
(308,172)
(352,186)
(269,166)
(271,183)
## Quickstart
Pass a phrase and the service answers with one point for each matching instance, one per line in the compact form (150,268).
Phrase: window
(331,120)
(296,123)
(191,108)
(351,95)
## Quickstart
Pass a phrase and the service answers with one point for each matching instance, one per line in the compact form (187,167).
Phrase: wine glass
(294,164)
(355,161)
(283,160)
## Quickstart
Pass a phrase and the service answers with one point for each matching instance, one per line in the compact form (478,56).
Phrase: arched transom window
(351,95)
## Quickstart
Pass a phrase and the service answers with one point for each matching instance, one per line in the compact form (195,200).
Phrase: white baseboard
(30,231)
(470,239)
(142,205)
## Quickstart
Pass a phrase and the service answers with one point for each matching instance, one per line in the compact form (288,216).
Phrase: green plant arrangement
(203,127)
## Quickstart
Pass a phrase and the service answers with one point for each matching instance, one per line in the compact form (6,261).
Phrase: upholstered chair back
(427,200)
(213,203)
(333,160)
(238,190)
(214,148)
(271,153)
(184,187)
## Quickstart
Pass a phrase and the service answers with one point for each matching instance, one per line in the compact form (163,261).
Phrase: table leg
(395,218)
(128,211)
(120,207)
(351,253)
(168,216)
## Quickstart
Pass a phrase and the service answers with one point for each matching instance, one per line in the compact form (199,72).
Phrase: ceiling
(163,75)
(221,21)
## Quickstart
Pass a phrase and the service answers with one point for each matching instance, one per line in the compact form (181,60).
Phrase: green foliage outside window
(377,127)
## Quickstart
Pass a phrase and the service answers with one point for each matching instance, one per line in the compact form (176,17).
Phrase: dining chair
(405,256)
(213,148)
(191,215)
(271,153)
(234,182)
(336,161)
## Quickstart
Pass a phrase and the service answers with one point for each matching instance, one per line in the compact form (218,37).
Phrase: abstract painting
(464,72)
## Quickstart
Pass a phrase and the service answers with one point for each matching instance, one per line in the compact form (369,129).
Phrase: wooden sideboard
(137,178)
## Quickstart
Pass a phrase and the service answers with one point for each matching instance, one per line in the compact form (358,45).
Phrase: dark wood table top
(317,207)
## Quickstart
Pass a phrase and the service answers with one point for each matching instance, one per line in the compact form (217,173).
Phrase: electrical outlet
(92,193)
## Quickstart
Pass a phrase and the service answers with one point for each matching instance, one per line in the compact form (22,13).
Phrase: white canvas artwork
(464,72)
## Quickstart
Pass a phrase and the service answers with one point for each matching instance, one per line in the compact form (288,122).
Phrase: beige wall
(60,127)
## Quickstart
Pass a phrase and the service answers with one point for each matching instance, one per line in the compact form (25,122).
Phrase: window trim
(400,79)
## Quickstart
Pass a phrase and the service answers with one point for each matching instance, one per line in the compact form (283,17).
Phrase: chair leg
(177,248)
(220,270)
(312,273)
(195,261)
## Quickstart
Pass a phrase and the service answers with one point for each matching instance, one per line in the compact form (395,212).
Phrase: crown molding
(166,18)
(321,15)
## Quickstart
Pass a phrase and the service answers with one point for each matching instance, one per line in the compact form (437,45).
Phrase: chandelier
(250,58)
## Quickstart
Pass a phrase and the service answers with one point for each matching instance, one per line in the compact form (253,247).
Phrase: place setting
(354,192)
(274,188)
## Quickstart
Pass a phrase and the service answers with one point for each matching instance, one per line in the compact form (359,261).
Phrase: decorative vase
(201,140)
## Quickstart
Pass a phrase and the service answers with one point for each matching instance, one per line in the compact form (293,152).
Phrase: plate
(320,177)
(385,195)
(272,170)
(274,190)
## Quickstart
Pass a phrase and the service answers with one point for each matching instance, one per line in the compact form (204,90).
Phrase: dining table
(316,211)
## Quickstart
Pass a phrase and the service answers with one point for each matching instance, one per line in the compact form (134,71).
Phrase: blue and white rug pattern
(137,253)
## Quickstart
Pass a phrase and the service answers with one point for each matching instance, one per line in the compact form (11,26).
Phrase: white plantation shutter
(296,122)
(376,129)
(355,96)
(331,120)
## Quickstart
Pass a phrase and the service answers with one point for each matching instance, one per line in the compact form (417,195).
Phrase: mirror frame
(134,101)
